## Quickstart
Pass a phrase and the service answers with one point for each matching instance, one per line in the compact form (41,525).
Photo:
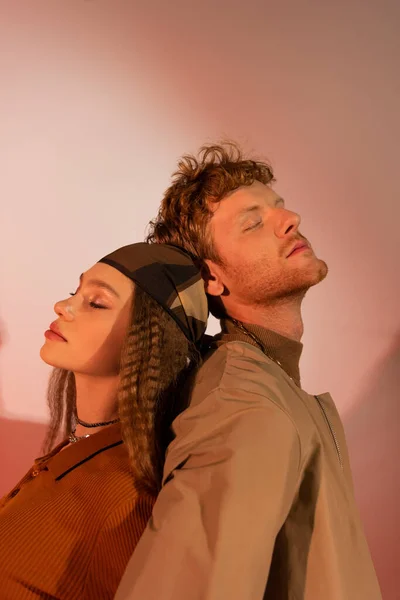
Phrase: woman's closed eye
(92,303)
(96,305)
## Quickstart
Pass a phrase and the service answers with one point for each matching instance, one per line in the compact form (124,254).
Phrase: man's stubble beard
(273,287)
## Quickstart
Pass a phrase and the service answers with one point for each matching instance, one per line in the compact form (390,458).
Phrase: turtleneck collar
(276,346)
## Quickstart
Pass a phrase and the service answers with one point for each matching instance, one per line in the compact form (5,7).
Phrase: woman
(121,345)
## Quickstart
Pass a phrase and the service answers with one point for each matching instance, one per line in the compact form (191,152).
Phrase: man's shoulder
(231,355)
(235,365)
(236,384)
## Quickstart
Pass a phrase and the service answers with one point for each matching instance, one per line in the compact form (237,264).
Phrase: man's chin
(317,275)
(322,271)
(298,288)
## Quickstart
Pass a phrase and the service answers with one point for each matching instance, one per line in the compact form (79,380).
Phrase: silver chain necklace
(72,438)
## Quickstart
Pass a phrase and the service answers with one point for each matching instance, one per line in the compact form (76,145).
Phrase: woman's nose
(287,222)
(63,309)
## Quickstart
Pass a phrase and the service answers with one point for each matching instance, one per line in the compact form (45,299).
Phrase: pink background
(98,98)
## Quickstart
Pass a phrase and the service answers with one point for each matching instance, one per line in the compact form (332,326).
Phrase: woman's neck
(96,401)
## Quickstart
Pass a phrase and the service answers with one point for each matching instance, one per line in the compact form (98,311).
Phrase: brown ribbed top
(69,527)
(277,347)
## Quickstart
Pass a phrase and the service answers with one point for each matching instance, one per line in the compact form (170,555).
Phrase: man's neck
(95,400)
(283,317)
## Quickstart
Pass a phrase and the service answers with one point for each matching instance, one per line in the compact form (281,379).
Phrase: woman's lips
(53,333)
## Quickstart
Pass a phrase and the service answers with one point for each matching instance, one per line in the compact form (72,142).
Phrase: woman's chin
(48,357)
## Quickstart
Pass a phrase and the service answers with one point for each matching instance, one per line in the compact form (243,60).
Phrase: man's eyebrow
(254,207)
(249,209)
(101,284)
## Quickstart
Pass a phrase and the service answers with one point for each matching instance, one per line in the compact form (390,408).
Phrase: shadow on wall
(372,430)
(20,444)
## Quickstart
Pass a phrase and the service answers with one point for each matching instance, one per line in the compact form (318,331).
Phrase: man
(257,501)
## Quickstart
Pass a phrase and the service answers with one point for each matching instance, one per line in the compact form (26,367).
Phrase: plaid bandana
(169,276)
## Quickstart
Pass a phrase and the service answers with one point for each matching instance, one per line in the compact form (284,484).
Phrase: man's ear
(212,276)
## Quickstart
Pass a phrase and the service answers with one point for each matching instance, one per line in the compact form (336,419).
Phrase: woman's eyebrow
(101,284)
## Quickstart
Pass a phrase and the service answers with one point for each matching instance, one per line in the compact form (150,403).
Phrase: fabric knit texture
(69,527)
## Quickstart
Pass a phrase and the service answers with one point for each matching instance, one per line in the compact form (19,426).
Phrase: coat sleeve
(226,496)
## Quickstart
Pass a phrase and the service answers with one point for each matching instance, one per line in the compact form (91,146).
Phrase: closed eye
(253,225)
(95,305)
(91,304)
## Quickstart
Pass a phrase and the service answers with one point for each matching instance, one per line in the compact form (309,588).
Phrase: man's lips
(53,333)
(298,247)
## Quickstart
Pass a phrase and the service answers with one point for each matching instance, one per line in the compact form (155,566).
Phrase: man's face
(265,258)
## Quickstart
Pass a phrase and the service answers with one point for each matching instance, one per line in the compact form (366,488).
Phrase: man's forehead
(247,197)
(255,190)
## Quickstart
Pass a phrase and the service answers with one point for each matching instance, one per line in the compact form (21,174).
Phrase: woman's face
(91,325)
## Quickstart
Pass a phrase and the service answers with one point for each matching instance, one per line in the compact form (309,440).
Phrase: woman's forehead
(101,272)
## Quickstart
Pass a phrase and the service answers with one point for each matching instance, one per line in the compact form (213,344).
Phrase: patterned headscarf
(169,276)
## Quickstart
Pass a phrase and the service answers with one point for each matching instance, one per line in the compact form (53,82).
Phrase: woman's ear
(212,276)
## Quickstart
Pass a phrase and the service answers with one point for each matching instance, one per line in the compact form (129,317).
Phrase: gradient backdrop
(98,98)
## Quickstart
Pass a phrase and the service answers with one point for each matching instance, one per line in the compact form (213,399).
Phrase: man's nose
(287,222)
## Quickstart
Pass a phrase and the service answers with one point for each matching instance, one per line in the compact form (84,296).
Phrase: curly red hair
(200,181)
